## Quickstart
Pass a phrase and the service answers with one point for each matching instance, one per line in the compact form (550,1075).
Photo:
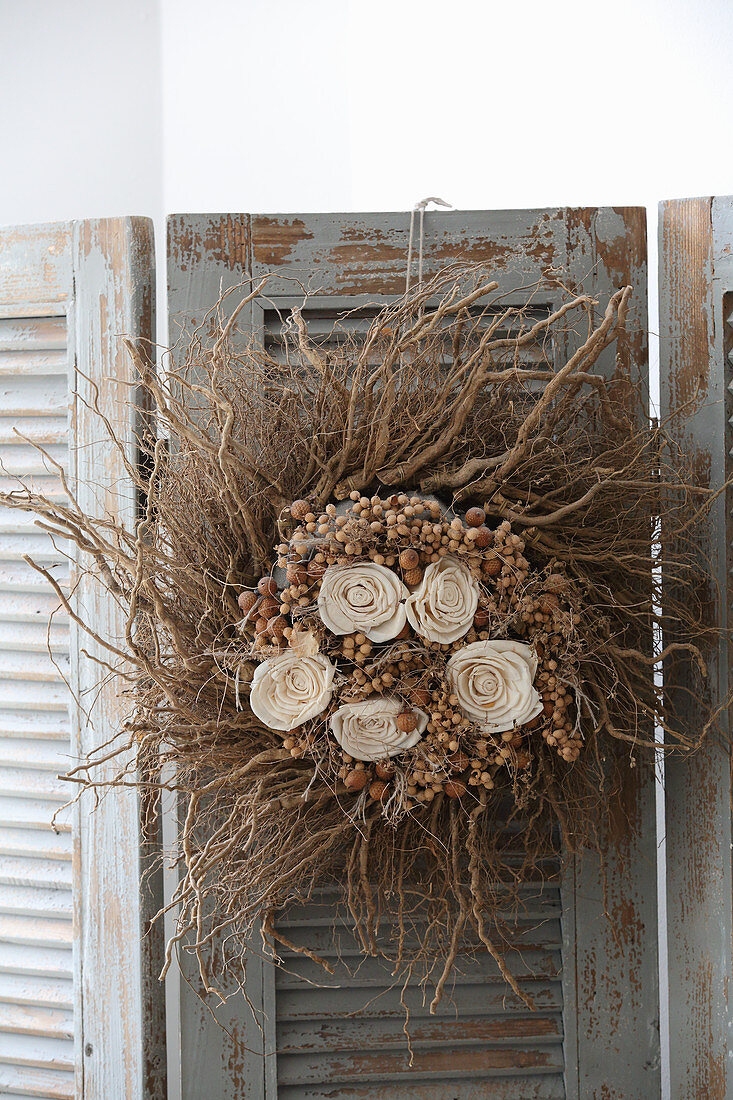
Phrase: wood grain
(121,1002)
(695,284)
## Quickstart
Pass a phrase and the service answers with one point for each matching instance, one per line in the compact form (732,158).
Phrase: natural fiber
(464,400)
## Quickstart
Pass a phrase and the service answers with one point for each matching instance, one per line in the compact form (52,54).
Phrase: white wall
(373,104)
(80,121)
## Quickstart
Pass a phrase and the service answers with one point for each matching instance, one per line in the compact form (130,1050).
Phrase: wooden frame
(695,305)
(610,979)
(121,1002)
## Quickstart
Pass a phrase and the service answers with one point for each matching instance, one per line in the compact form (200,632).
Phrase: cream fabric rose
(493,683)
(368,730)
(287,690)
(443,607)
(362,597)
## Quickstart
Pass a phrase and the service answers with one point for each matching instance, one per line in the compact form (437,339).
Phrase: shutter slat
(36,988)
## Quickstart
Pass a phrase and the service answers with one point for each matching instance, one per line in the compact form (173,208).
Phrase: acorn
(475,517)
(412,577)
(492,567)
(483,538)
(407,721)
(409,560)
(384,771)
(356,780)
(246,601)
(299,509)
(267,586)
(454,788)
(377,790)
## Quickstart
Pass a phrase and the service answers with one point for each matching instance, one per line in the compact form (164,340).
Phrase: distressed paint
(696,326)
(608,995)
(120,1000)
(37,1047)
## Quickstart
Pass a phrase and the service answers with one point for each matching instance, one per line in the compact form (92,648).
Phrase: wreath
(394,607)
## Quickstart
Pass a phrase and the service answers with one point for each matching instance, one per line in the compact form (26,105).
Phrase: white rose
(362,597)
(443,607)
(368,730)
(493,683)
(287,690)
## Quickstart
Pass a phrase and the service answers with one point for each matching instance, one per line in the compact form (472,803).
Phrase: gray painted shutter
(596,1034)
(75,1018)
(696,358)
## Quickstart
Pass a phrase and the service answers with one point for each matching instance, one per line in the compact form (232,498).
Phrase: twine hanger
(421,207)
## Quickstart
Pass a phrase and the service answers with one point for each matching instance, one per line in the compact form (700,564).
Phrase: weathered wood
(121,1002)
(695,305)
(609,964)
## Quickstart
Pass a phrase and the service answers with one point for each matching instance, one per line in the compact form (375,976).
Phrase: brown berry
(246,601)
(384,771)
(297,573)
(377,790)
(458,761)
(549,602)
(254,610)
(412,577)
(533,724)
(356,780)
(409,559)
(299,509)
(548,707)
(407,721)
(316,569)
(278,625)
(483,538)
(492,567)
(475,517)
(261,626)
(421,697)
(481,618)
(454,788)
(267,586)
(270,607)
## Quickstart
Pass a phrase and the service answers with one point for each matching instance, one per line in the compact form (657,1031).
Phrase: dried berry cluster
(407,533)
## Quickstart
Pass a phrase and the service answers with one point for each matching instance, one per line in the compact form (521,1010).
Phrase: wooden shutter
(696,360)
(76,1015)
(596,1034)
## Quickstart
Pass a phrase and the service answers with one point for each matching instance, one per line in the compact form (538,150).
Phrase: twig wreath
(392,612)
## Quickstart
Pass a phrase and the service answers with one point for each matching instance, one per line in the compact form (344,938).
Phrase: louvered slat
(36,1015)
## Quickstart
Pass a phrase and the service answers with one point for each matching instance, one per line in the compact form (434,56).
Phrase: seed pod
(454,788)
(297,573)
(254,610)
(412,577)
(267,586)
(492,567)
(409,559)
(458,761)
(277,627)
(420,697)
(270,607)
(356,780)
(377,790)
(475,517)
(407,721)
(384,771)
(316,569)
(481,618)
(299,509)
(483,538)
(548,707)
(246,601)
